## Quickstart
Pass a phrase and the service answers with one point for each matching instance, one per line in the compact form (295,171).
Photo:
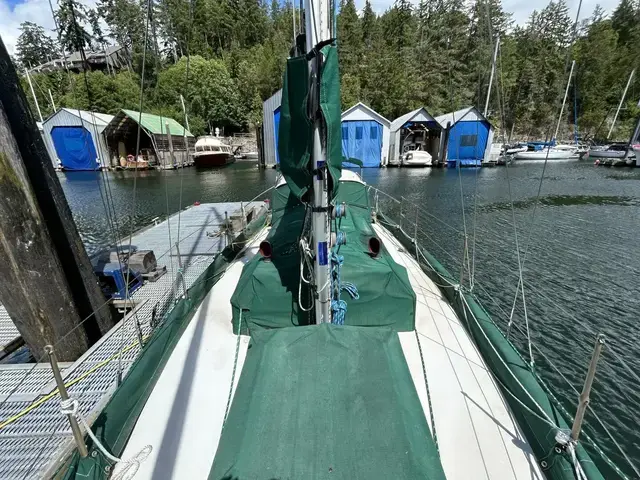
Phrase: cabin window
(468,140)
(373,133)
(345,132)
(199,149)
(358,133)
(215,149)
(207,148)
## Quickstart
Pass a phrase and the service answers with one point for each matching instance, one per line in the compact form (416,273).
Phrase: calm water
(581,271)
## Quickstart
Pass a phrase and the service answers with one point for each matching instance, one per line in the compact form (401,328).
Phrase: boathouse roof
(152,124)
(418,115)
(467,114)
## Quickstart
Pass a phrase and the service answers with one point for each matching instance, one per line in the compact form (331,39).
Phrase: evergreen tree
(34,46)
(624,20)
(72,19)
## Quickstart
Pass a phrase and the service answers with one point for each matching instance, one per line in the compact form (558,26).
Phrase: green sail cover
(267,292)
(326,402)
(295,134)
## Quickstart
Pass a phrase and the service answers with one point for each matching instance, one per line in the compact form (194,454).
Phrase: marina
(581,206)
(290,306)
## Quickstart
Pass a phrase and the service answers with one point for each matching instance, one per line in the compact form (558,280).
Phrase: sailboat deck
(476,434)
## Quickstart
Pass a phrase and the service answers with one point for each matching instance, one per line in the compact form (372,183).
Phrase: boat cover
(326,402)
(267,292)
(295,134)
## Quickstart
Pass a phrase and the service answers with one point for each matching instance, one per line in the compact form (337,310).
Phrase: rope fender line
(130,466)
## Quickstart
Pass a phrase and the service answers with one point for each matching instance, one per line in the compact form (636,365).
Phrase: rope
(130,466)
(426,383)
(339,306)
(233,373)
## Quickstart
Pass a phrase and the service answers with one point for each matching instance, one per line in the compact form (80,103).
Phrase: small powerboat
(417,158)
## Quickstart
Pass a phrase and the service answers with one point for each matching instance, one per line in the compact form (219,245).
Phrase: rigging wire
(520,278)
(135,177)
(109,212)
(544,166)
(186,125)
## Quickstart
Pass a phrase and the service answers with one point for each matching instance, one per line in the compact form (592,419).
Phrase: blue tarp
(75,149)
(467,143)
(362,139)
(276,126)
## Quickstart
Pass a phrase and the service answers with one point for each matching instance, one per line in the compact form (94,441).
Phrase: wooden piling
(48,285)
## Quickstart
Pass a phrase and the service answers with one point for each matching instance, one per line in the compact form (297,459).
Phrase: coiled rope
(339,306)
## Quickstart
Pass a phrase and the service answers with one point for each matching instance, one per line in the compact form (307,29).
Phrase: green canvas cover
(295,134)
(331,106)
(267,291)
(519,383)
(326,402)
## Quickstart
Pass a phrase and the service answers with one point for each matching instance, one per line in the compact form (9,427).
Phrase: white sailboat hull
(546,155)
(609,154)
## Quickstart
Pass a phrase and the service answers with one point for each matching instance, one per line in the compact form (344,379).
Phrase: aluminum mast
(317,29)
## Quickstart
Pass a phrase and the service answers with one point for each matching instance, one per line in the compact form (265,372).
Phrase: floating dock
(33,432)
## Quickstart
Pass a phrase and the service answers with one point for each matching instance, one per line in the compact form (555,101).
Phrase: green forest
(226,56)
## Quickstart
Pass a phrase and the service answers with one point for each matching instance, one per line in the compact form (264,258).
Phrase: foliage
(436,54)
(72,18)
(34,45)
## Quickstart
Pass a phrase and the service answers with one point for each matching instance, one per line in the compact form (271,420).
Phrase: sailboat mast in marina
(317,31)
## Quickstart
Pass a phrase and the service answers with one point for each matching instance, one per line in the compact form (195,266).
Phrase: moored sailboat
(331,345)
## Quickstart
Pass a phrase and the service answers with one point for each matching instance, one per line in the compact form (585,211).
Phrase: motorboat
(417,158)
(212,152)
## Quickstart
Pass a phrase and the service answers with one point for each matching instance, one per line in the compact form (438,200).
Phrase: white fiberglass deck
(476,434)
(182,419)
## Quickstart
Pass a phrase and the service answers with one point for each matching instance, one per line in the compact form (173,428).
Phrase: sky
(14,12)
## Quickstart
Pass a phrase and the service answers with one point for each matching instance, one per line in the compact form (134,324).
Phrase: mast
(53,104)
(317,28)
(35,99)
(624,95)
(564,100)
(493,71)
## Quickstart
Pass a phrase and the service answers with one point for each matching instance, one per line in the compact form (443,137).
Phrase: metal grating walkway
(30,442)
(8,331)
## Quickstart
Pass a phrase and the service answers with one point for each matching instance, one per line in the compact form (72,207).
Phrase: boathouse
(468,136)
(415,130)
(365,136)
(155,134)
(270,125)
(75,138)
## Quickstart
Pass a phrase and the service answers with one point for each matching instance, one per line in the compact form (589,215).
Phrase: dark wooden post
(47,283)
